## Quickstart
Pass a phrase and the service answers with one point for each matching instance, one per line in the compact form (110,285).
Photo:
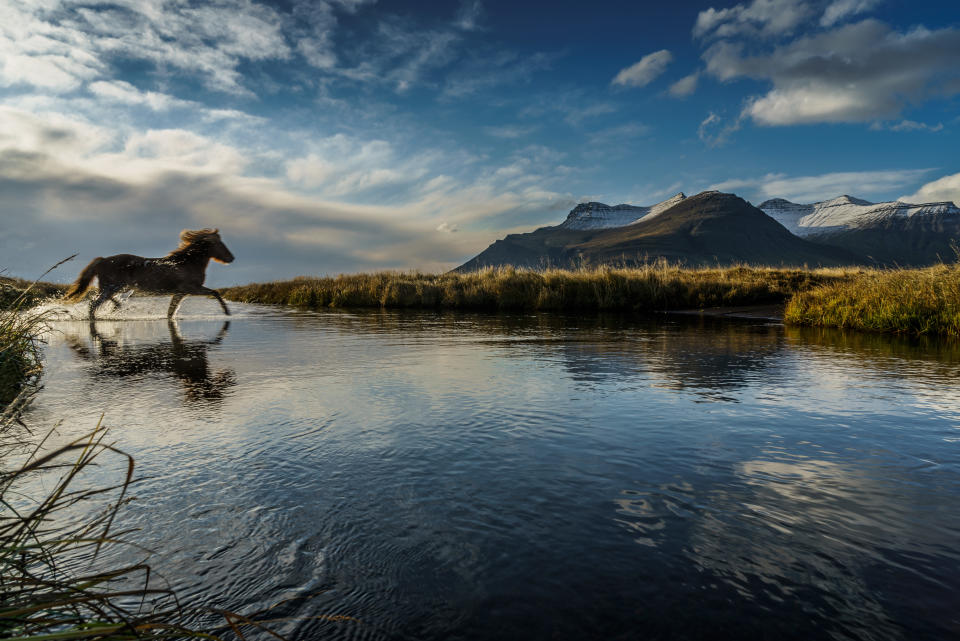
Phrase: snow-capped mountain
(846,212)
(594,215)
(709,228)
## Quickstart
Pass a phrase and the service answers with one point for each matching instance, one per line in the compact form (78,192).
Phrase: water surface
(465,476)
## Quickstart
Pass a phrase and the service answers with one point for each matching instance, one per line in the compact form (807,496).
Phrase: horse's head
(211,240)
(219,251)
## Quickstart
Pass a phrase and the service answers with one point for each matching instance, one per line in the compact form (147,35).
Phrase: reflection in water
(538,476)
(184,359)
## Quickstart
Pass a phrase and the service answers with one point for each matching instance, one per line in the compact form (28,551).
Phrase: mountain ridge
(706,229)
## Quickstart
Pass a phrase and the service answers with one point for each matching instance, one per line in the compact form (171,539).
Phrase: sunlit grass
(650,288)
(905,301)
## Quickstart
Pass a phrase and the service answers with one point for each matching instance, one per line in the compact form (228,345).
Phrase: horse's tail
(82,284)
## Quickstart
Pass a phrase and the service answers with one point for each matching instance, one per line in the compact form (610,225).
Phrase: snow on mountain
(659,208)
(845,212)
(600,216)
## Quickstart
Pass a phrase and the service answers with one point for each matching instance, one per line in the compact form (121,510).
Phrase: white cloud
(343,165)
(841,9)
(870,185)
(59,44)
(68,181)
(685,86)
(760,18)
(124,92)
(644,71)
(855,73)
(942,189)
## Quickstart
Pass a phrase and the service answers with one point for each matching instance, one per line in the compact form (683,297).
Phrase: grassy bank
(19,348)
(650,288)
(905,301)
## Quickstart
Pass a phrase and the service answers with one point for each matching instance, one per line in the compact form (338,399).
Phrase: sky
(336,136)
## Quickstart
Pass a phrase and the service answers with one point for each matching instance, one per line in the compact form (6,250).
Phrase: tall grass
(904,301)
(653,287)
(50,587)
(20,330)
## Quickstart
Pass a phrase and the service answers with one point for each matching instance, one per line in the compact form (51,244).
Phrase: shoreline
(773,313)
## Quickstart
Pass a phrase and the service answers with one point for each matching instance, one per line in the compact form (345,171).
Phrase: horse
(181,272)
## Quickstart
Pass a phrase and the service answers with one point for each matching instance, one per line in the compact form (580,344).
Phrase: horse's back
(120,269)
(124,261)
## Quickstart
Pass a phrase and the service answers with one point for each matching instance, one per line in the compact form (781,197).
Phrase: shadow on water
(185,360)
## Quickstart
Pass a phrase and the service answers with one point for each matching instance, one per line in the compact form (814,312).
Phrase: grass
(648,288)
(20,329)
(50,587)
(904,301)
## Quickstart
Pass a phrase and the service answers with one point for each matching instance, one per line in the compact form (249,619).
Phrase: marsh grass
(20,331)
(903,301)
(653,287)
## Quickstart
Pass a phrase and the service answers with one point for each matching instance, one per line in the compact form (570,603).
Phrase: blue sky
(344,135)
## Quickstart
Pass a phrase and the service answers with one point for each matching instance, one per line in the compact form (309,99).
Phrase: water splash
(139,308)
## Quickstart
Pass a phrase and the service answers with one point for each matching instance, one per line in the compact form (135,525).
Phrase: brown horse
(181,272)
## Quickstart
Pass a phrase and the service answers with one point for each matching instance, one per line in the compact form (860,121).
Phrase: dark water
(454,476)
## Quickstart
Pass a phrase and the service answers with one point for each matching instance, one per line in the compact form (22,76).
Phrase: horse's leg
(221,334)
(174,304)
(99,300)
(216,294)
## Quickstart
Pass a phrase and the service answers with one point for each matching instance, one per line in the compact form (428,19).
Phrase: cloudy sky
(328,136)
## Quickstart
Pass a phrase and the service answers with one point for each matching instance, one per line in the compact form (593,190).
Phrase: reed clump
(653,287)
(903,301)
(20,330)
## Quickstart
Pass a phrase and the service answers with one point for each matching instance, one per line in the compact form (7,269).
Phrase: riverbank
(644,289)
(902,301)
(923,301)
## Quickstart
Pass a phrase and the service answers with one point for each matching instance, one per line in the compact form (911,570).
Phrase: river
(421,475)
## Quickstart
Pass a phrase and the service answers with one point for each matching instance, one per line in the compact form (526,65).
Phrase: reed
(903,301)
(20,330)
(654,287)
(50,587)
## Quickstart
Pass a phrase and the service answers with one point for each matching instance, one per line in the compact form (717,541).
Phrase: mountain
(707,229)
(599,216)
(889,233)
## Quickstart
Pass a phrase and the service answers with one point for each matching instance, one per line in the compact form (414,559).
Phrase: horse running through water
(181,272)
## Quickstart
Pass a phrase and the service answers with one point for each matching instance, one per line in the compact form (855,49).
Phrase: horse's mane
(190,236)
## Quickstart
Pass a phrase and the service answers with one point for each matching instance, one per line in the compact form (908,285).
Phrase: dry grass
(649,288)
(904,301)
